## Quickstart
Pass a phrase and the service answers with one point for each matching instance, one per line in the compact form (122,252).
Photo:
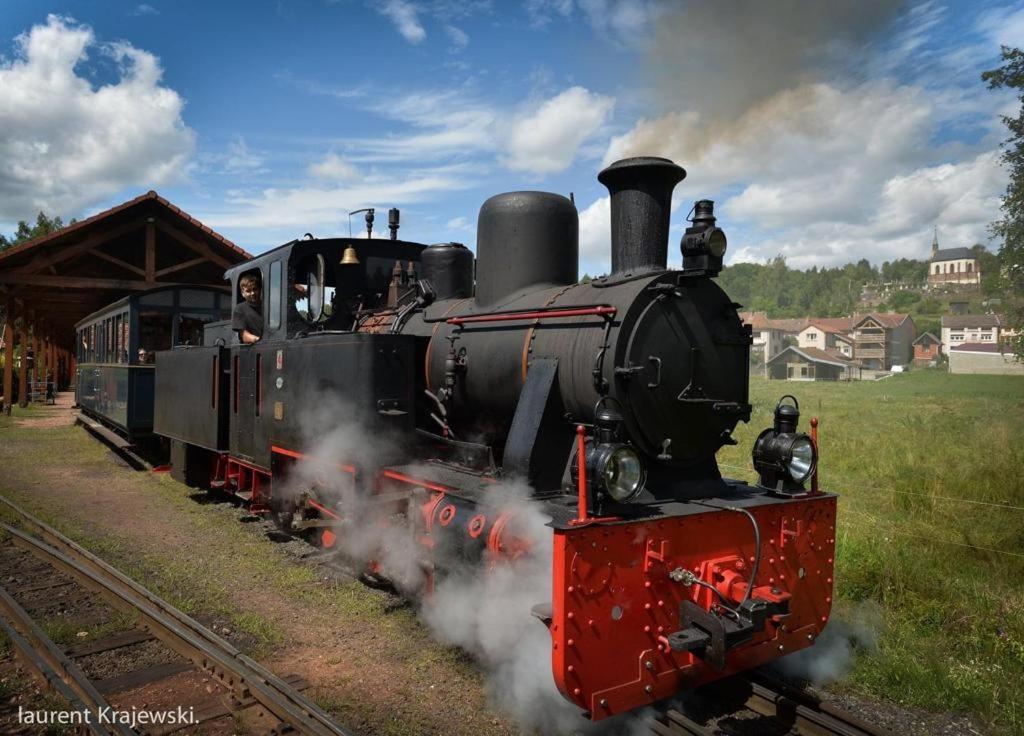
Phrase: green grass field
(929,469)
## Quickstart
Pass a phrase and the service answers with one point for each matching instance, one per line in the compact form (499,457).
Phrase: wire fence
(955,499)
(874,522)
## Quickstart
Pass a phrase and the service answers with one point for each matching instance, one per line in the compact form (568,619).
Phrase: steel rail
(807,713)
(34,660)
(176,630)
(88,700)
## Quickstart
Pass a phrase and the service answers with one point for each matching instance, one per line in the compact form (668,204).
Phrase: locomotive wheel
(283,518)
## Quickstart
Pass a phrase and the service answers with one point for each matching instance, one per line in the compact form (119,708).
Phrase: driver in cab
(247,317)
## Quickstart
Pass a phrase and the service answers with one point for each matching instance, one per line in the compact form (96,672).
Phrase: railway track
(771,708)
(64,564)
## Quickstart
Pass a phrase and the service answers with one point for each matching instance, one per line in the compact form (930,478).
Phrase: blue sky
(825,132)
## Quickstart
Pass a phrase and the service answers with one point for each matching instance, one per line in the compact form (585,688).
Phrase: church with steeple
(952,266)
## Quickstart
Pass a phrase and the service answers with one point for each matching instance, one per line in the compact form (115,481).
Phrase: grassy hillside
(929,471)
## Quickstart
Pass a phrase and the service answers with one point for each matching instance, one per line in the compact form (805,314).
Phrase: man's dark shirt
(246,317)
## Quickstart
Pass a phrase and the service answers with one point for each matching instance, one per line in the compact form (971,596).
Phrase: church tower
(935,242)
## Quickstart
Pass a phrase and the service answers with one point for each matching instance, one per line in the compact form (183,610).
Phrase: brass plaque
(278,410)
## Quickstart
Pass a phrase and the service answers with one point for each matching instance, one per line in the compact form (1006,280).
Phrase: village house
(927,349)
(956,266)
(828,333)
(767,340)
(882,340)
(797,363)
(833,348)
(960,329)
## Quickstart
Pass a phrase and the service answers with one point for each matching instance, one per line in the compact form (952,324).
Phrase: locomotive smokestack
(641,199)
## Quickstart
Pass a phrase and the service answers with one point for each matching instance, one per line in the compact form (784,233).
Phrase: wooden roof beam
(117,262)
(197,245)
(38,264)
(182,266)
(77,282)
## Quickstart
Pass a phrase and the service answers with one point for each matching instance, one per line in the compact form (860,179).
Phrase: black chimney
(641,199)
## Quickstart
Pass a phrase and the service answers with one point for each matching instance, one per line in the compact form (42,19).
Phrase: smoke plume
(712,65)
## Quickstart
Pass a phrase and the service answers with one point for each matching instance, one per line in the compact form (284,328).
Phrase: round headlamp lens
(801,463)
(717,243)
(623,474)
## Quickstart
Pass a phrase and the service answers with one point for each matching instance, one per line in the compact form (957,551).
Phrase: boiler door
(691,382)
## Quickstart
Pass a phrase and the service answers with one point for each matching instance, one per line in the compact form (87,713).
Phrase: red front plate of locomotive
(613,598)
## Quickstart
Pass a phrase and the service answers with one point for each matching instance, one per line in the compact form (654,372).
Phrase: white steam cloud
(833,653)
(483,608)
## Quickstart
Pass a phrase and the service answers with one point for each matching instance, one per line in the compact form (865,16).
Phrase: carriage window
(125,341)
(274,295)
(195,299)
(117,338)
(190,327)
(154,334)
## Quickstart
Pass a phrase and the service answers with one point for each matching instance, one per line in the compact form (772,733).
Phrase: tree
(1011,227)
(44,226)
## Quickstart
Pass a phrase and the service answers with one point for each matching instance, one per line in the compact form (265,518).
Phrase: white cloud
(459,223)
(323,207)
(596,238)
(548,139)
(626,21)
(145,9)
(405,16)
(542,11)
(458,36)
(544,137)
(335,168)
(66,144)
(240,158)
(445,123)
(1005,26)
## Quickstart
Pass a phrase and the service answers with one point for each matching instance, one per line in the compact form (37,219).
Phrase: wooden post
(35,348)
(73,370)
(9,357)
(23,365)
(44,350)
(150,251)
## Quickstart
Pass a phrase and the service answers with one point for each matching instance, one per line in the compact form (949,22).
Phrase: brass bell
(349,258)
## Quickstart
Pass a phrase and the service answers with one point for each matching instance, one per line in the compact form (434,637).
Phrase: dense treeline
(829,292)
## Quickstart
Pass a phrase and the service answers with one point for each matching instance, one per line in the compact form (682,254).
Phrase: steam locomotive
(610,398)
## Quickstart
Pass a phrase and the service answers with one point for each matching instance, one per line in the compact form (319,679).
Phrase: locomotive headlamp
(703,245)
(618,471)
(783,457)
(614,468)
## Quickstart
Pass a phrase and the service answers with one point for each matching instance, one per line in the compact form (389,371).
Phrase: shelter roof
(922,338)
(141,244)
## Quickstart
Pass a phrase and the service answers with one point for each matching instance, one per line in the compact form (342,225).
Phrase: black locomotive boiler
(610,398)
